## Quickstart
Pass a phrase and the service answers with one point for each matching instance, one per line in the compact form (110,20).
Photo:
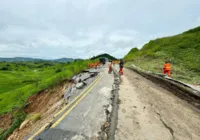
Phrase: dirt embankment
(5,121)
(40,109)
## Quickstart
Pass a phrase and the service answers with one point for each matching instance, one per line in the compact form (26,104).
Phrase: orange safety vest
(167,66)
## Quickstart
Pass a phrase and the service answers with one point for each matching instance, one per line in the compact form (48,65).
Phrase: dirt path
(149,112)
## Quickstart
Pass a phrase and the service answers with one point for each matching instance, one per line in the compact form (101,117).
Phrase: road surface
(146,112)
(149,112)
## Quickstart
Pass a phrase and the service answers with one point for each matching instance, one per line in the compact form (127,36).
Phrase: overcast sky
(82,28)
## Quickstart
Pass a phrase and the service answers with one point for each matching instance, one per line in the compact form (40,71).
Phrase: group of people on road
(93,65)
(166,67)
(121,65)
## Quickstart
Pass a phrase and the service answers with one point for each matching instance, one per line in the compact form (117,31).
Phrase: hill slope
(183,51)
(104,55)
(27,59)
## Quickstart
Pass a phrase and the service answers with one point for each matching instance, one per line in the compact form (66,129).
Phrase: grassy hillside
(183,51)
(19,80)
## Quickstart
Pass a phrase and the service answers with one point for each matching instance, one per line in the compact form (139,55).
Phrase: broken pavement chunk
(80,85)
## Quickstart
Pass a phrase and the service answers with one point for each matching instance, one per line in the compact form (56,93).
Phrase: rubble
(24,124)
(80,85)
(78,82)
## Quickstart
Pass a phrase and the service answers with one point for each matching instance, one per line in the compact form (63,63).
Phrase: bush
(58,70)
(4,68)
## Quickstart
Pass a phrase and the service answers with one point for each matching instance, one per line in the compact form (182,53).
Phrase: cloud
(83,28)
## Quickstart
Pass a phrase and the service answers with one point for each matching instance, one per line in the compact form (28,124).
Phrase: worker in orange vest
(121,65)
(89,65)
(110,67)
(95,65)
(92,65)
(167,68)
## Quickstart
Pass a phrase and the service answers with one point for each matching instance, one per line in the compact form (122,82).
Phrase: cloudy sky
(82,28)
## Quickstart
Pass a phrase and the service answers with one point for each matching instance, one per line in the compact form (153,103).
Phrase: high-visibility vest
(167,66)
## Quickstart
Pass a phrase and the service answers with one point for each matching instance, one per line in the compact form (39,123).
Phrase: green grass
(183,52)
(22,79)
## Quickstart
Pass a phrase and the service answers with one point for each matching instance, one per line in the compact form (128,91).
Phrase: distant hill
(64,60)
(182,50)
(26,59)
(104,55)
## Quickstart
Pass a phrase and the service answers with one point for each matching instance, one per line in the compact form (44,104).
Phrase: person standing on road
(110,67)
(89,66)
(121,65)
(167,68)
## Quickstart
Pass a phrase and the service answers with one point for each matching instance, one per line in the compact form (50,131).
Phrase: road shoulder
(147,111)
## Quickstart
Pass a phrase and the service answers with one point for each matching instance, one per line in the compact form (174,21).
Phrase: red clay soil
(46,103)
(42,101)
(5,121)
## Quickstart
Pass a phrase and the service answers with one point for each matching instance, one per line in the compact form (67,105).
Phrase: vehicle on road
(102,60)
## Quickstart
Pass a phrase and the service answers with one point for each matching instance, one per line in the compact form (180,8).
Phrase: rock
(78,137)
(80,85)
(46,90)
(105,137)
(34,117)
(74,77)
(106,124)
(24,124)
(110,109)
(77,80)
(11,137)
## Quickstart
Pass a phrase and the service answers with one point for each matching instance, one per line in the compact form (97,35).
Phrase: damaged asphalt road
(88,103)
(102,106)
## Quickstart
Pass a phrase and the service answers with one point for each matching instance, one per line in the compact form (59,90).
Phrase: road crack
(166,126)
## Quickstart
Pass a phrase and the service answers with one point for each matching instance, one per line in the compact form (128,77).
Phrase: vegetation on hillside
(20,80)
(183,52)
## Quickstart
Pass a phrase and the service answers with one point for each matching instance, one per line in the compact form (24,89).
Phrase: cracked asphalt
(84,118)
(146,112)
